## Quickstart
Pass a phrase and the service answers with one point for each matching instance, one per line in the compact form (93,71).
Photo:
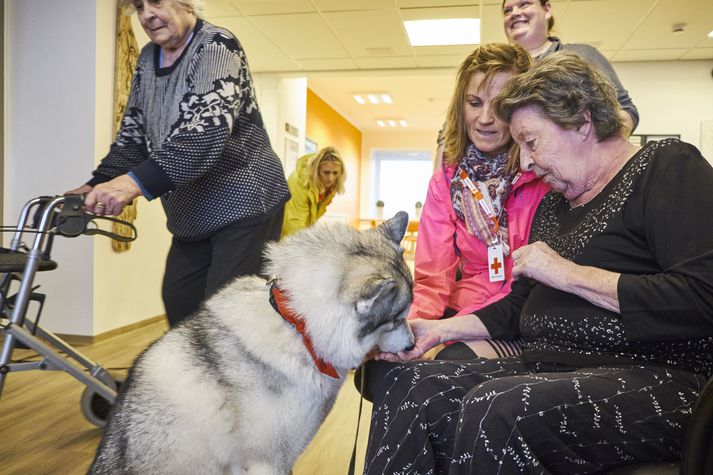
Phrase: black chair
(697,457)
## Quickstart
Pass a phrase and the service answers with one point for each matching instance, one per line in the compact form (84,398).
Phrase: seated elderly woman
(614,299)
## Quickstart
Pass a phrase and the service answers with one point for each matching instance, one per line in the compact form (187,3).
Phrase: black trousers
(502,416)
(195,270)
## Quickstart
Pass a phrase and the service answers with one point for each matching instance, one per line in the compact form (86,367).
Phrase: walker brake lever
(72,220)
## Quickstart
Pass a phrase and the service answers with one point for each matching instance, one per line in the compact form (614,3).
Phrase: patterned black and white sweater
(650,224)
(192,134)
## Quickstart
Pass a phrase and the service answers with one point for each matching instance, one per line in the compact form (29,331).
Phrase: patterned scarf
(491,178)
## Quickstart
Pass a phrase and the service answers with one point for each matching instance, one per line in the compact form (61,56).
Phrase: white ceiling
(349,46)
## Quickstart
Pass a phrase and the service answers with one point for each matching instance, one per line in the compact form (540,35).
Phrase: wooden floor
(42,430)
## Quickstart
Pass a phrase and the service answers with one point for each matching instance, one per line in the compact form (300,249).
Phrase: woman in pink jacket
(478,208)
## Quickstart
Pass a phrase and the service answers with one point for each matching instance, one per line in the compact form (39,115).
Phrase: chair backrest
(697,456)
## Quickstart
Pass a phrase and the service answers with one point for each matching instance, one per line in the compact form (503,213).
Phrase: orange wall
(326,126)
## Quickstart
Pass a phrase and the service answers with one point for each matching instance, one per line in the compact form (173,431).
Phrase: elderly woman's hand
(427,334)
(110,198)
(80,190)
(540,262)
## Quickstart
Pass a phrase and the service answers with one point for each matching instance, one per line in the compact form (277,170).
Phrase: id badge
(496,263)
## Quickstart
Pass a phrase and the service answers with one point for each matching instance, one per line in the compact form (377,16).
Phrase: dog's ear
(377,298)
(395,228)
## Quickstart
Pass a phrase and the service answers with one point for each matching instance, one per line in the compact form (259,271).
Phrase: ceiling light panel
(392,122)
(373,97)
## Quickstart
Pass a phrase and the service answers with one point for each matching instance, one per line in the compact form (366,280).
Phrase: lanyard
(480,199)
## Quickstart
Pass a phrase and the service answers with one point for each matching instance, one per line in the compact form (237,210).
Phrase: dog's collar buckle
(279,303)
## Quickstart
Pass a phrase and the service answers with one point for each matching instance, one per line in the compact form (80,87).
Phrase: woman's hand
(540,262)
(110,198)
(79,191)
(428,333)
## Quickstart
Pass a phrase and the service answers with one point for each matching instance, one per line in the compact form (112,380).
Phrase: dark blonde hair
(550,22)
(197,7)
(488,59)
(327,154)
(565,88)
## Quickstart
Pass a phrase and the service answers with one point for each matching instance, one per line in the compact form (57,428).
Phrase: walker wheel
(94,407)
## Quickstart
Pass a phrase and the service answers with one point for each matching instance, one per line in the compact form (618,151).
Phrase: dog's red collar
(279,303)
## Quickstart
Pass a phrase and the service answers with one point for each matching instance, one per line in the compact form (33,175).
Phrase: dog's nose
(410,347)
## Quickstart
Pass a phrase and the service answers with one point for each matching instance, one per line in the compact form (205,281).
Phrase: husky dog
(243,385)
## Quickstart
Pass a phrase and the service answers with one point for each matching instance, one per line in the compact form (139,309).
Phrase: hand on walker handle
(109,198)
(82,190)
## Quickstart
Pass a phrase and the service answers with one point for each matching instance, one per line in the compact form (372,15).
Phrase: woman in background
(317,177)
(457,235)
(528,23)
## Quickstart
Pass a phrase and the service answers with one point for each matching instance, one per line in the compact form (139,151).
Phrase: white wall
(50,77)
(266,86)
(673,97)
(282,99)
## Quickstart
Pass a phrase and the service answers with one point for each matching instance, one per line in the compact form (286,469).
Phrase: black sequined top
(652,224)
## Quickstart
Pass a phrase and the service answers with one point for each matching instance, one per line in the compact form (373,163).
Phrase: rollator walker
(40,221)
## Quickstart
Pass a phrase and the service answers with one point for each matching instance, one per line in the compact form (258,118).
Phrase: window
(400,180)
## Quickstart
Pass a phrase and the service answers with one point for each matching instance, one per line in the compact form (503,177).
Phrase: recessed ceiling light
(373,97)
(451,31)
(392,122)
(710,35)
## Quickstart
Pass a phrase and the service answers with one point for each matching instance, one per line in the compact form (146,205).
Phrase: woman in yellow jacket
(314,182)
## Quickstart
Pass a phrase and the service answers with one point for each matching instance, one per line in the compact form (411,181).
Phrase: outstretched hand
(427,334)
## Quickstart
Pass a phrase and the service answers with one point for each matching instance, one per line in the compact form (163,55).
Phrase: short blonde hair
(489,59)
(197,7)
(327,154)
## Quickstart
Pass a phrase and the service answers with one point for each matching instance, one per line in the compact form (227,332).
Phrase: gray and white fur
(233,389)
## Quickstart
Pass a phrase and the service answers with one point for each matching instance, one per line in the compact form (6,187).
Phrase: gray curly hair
(197,7)
(564,87)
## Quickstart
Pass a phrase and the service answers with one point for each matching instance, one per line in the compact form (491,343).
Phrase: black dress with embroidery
(651,224)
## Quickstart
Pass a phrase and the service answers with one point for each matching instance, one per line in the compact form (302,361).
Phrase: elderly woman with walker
(192,134)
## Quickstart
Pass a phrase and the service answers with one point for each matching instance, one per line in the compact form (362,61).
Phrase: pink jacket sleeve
(436,260)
